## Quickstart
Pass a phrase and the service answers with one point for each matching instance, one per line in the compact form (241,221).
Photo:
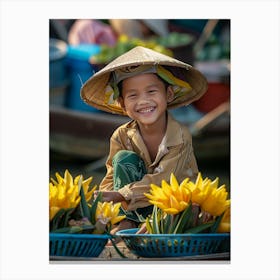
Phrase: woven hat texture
(93,90)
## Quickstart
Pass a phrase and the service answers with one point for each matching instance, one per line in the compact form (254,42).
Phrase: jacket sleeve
(115,146)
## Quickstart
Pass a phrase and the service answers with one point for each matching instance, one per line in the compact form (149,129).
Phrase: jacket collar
(173,137)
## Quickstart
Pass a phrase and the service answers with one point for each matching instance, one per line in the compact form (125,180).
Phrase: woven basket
(77,245)
(174,245)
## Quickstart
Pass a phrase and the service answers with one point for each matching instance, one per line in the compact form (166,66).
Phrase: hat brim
(93,91)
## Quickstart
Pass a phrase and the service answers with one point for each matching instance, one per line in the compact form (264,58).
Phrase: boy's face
(145,98)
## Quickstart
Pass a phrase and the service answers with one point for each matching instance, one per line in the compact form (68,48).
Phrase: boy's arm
(180,160)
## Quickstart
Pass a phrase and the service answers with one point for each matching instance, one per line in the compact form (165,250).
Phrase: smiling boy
(143,85)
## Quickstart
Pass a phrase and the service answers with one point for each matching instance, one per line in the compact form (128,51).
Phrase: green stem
(116,247)
(171,223)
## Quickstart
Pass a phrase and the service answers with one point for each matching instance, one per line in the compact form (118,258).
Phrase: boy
(143,85)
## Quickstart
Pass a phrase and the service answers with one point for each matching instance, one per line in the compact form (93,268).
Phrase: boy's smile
(147,110)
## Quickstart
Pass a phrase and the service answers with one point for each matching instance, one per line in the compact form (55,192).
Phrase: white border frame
(254,124)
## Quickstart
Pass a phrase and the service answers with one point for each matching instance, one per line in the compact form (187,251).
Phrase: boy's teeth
(146,110)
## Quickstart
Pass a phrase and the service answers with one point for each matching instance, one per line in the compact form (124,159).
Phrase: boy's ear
(170,94)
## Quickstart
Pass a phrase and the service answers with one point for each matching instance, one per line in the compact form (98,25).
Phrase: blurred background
(79,134)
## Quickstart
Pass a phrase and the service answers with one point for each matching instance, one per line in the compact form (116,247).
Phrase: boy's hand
(110,196)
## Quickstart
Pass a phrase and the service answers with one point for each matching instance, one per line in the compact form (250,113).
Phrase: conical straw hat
(93,91)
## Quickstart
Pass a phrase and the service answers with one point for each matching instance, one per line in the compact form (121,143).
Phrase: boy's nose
(143,100)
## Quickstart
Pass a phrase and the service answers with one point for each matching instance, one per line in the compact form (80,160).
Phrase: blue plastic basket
(77,245)
(174,245)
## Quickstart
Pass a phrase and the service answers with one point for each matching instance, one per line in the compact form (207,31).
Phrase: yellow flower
(225,222)
(200,189)
(65,192)
(173,198)
(85,185)
(53,211)
(208,195)
(108,212)
(216,202)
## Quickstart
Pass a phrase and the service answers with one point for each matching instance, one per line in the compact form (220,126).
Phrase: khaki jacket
(175,154)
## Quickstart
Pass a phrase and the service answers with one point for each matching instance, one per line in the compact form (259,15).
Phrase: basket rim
(53,235)
(132,233)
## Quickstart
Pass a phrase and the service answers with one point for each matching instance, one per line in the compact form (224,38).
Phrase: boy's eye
(132,95)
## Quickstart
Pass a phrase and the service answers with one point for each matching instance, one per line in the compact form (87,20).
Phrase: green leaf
(84,206)
(112,238)
(185,220)
(174,222)
(155,220)
(67,217)
(140,217)
(216,224)
(57,217)
(61,218)
(149,226)
(166,223)
(161,221)
(93,208)
(199,228)
(74,229)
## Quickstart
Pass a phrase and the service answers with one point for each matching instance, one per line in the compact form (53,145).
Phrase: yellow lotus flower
(225,222)
(86,185)
(216,202)
(200,189)
(208,201)
(65,192)
(108,212)
(173,198)
(208,195)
